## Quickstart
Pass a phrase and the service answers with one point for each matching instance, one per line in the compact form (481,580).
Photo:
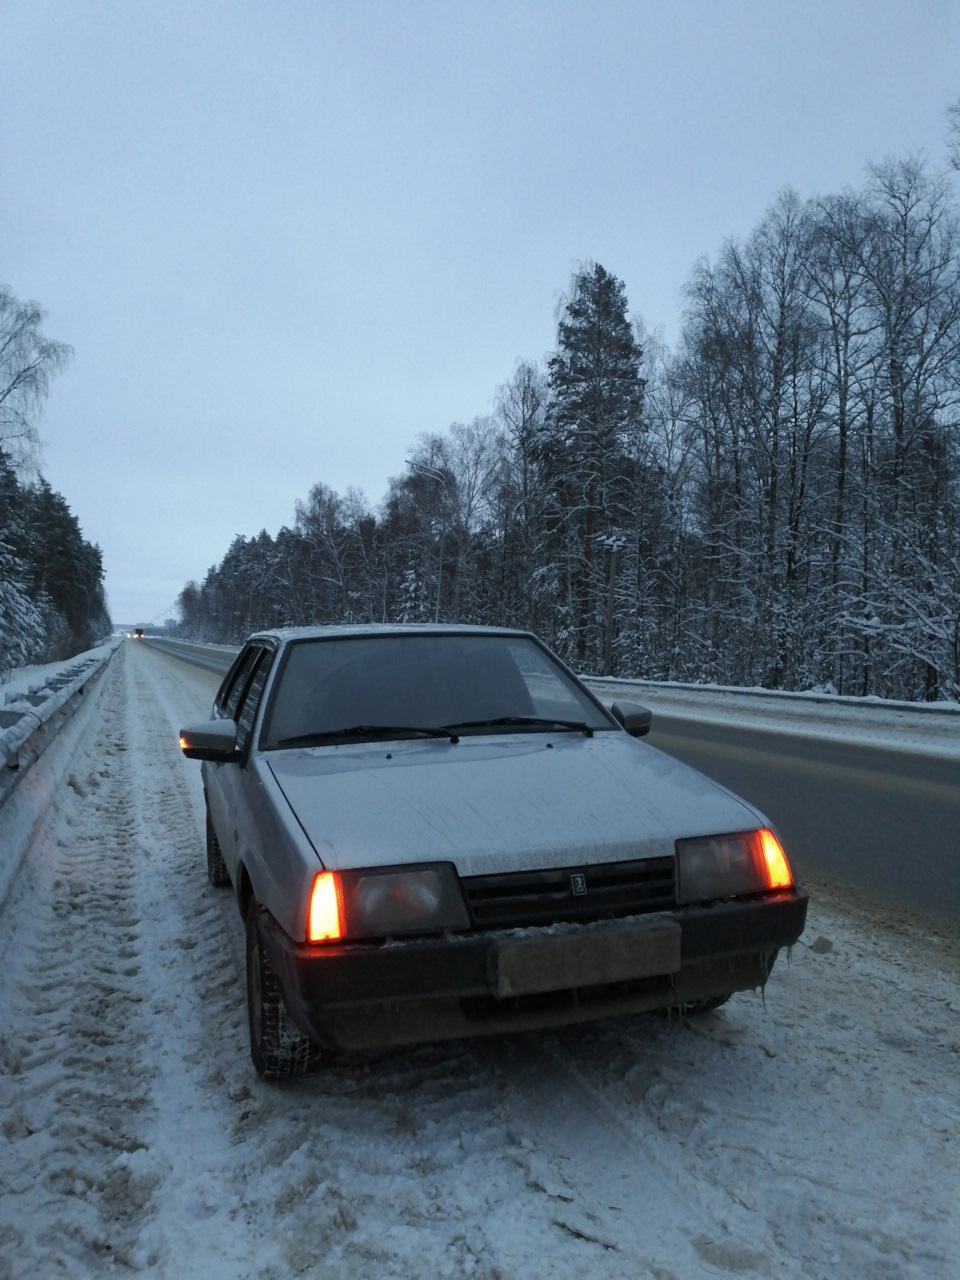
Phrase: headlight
(377,904)
(727,866)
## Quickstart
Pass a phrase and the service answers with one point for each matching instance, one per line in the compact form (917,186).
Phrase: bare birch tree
(27,361)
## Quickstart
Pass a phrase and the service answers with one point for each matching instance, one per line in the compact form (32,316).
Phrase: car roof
(347,630)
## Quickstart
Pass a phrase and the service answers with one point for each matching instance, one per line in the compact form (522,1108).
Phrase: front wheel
(278,1047)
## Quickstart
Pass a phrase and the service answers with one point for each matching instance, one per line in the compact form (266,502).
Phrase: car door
(239,785)
(226,707)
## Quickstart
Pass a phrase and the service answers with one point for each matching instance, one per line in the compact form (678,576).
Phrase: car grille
(547,897)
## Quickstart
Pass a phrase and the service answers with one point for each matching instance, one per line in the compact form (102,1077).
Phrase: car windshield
(400,685)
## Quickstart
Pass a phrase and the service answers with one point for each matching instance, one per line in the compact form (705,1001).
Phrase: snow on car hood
(506,803)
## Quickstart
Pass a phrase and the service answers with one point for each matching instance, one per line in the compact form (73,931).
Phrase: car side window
(251,699)
(230,700)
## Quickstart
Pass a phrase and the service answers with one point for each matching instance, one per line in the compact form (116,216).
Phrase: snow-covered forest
(775,502)
(52,602)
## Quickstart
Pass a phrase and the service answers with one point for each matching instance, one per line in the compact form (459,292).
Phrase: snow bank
(35,719)
(24,713)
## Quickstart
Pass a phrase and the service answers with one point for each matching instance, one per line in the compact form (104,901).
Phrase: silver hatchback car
(439,831)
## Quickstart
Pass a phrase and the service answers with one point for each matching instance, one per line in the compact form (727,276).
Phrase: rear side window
(251,699)
(229,698)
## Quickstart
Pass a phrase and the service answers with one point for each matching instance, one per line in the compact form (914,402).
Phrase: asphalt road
(886,822)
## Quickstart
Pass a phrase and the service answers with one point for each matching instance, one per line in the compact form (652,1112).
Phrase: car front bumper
(364,995)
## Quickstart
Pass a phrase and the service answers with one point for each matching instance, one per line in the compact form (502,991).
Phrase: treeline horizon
(774,502)
(52,600)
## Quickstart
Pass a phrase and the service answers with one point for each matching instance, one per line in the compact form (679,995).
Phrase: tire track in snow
(119,1000)
(75,1087)
(198,1020)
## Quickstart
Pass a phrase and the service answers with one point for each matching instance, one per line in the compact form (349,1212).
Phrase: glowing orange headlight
(778,869)
(325,913)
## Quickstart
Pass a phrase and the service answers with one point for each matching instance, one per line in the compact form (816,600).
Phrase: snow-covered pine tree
(22,630)
(597,401)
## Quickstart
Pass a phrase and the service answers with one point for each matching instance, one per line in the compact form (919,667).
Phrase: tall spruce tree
(597,401)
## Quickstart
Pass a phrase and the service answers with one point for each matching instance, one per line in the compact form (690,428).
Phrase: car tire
(217,872)
(278,1047)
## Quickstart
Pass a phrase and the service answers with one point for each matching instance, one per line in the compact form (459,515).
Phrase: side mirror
(212,740)
(634,718)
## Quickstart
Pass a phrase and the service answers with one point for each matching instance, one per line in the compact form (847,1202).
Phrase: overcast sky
(286,238)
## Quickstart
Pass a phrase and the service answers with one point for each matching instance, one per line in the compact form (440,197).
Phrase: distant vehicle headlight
(730,865)
(382,903)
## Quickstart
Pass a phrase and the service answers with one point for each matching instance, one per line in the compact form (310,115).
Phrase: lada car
(438,831)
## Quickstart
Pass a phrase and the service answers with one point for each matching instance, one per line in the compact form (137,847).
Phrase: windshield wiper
(521,722)
(367,731)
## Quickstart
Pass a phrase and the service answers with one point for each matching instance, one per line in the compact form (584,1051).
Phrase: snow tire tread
(282,1051)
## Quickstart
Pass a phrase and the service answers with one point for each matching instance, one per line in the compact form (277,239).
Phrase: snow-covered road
(813,1135)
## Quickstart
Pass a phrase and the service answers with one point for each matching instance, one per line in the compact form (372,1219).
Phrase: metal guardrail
(778,697)
(32,720)
(214,657)
(925,727)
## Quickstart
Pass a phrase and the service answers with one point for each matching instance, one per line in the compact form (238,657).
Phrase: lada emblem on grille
(578,885)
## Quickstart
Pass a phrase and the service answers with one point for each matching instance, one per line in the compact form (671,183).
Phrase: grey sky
(284,239)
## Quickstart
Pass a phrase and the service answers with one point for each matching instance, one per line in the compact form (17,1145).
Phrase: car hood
(506,803)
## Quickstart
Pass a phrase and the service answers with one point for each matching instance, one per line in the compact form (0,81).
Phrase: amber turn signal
(731,866)
(778,869)
(325,913)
